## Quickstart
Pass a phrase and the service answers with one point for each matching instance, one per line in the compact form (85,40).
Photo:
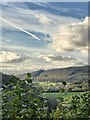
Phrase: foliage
(22,100)
(77,107)
(63,82)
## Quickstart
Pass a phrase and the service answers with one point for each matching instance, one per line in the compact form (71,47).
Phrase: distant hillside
(34,74)
(37,73)
(70,74)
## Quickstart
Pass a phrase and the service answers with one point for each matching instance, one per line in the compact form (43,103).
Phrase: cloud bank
(56,60)
(41,39)
(71,37)
(10,57)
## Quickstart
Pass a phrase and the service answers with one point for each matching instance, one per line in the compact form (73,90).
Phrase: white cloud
(64,39)
(43,19)
(39,61)
(58,61)
(71,37)
(30,19)
(19,28)
(10,57)
(45,57)
(85,50)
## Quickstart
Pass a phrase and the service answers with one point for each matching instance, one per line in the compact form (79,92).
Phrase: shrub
(22,100)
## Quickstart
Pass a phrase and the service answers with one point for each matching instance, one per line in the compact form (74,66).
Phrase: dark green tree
(22,100)
(63,82)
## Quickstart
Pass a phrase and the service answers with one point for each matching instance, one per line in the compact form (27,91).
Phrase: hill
(70,74)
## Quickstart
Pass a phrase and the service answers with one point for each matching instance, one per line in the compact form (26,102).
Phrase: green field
(58,95)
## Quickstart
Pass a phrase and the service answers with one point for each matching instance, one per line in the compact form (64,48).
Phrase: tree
(63,82)
(22,100)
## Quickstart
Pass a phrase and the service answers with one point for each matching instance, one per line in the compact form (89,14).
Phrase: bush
(77,108)
(22,100)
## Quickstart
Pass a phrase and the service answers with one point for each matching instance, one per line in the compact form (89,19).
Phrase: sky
(43,35)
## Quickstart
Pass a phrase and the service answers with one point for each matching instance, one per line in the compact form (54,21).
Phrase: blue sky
(37,35)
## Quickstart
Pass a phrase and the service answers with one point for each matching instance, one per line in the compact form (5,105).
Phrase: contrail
(22,10)
(25,31)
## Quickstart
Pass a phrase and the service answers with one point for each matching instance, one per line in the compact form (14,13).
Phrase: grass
(49,84)
(58,95)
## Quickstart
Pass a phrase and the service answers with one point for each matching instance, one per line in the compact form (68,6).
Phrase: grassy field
(48,84)
(58,95)
(51,85)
